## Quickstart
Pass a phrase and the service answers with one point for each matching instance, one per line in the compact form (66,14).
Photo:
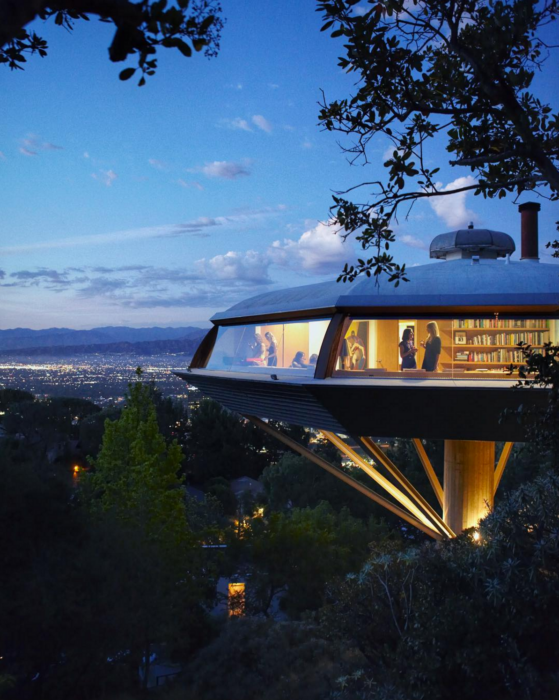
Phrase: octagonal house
(430,358)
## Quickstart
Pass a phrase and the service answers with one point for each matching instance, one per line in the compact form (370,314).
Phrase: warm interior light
(476,536)
(236,599)
(76,468)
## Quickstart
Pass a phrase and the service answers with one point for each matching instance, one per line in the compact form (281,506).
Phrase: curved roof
(467,242)
(461,282)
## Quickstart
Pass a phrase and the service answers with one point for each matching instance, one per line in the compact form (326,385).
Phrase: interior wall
(372,346)
(296,338)
(387,352)
(317,330)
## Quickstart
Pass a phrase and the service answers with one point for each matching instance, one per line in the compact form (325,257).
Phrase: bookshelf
(492,344)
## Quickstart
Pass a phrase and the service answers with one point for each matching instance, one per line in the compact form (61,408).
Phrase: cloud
(241,218)
(158,164)
(412,241)
(306,144)
(110,270)
(35,274)
(86,154)
(235,86)
(190,184)
(236,124)
(249,267)
(319,250)
(101,287)
(2,156)
(228,170)
(31,144)
(107,177)
(273,86)
(2,274)
(452,208)
(262,123)
(195,226)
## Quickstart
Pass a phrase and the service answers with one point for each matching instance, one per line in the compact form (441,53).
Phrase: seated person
(300,360)
(313,359)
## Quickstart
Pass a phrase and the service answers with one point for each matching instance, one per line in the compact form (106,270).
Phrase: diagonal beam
(377,454)
(426,462)
(501,464)
(339,474)
(387,485)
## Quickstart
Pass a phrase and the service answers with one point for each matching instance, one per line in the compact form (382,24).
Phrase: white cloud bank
(227,170)
(320,250)
(452,208)
(262,123)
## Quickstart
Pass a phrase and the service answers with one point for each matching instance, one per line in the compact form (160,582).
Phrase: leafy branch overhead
(458,71)
(141,28)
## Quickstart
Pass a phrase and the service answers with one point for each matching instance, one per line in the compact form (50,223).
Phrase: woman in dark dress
(432,348)
(408,350)
(272,349)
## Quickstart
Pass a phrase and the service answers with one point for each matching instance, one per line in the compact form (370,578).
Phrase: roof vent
(465,243)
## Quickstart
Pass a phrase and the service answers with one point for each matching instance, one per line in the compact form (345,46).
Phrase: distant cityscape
(101,379)
(98,364)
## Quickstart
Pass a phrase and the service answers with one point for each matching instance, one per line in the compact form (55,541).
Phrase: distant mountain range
(106,340)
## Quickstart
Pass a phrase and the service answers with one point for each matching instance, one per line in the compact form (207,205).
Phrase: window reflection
(265,348)
(470,348)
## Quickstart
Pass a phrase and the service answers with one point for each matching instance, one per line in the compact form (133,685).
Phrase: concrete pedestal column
(469,467)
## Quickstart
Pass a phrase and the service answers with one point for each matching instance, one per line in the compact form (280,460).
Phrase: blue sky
(164,204)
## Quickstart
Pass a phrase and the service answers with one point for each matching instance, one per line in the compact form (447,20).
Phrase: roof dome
(465,243)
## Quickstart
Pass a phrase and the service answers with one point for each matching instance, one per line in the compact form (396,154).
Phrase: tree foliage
(136,489)
(290,557)
(458,71)
(252,658)
(461,619)
(141,28)
(223,444)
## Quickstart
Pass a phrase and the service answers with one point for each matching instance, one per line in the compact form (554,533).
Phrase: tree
(466,618)
(224,444)
(135,486)
(252,658)
(460,70)
(293,555)
(141,28)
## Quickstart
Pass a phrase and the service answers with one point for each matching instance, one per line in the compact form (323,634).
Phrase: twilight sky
(164,204)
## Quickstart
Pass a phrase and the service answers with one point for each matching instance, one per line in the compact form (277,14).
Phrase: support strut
(339,474)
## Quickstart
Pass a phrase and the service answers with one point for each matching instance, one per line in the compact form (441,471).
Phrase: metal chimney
(529,230)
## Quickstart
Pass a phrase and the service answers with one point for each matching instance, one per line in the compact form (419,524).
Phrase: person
(272,349)
(408,350)
(257,350)
(432,347)
(300,360)
(357,353)
(313,359)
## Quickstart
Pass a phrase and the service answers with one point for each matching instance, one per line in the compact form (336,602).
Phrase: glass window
(467,348)
(269,348)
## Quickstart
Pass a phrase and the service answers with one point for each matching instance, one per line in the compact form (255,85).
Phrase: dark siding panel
(290,403)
